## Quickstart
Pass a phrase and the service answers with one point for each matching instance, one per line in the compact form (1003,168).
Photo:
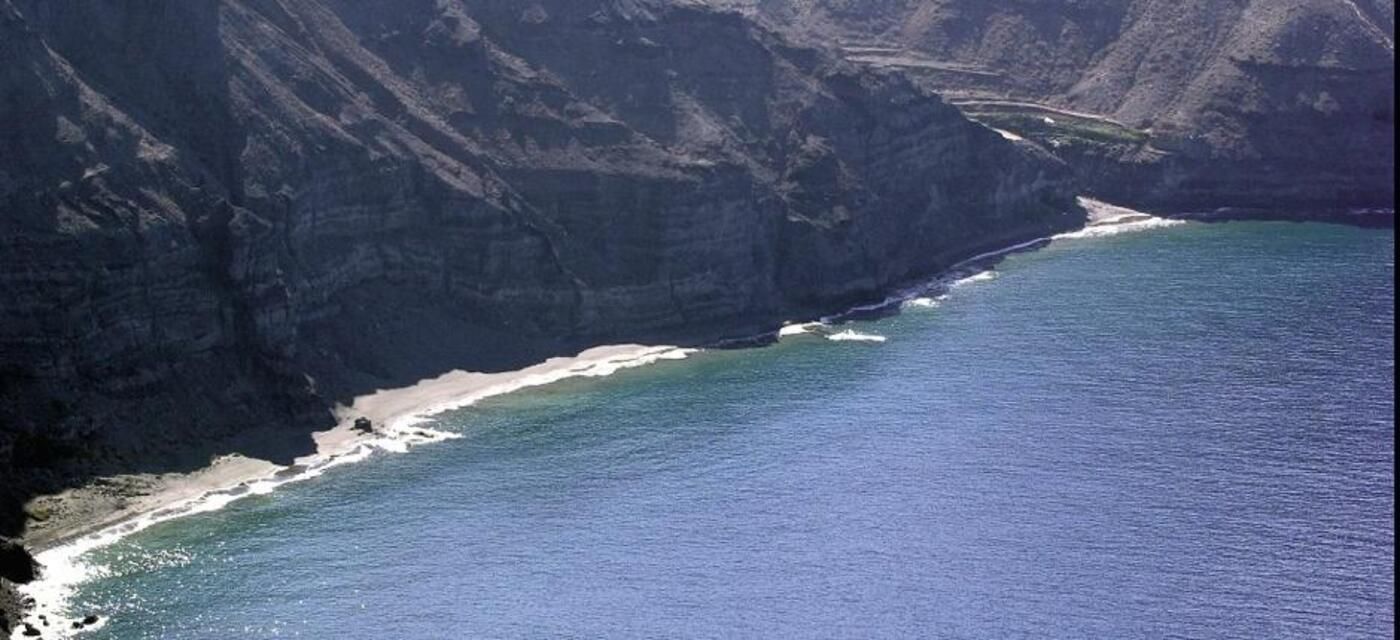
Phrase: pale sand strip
(109,503)
(107,510)
(90,517)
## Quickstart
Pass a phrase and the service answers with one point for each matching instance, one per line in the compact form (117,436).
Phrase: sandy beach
(107,505)
(111,507)
(76,521)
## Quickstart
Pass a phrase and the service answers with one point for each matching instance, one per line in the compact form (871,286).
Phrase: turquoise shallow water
(1185,432)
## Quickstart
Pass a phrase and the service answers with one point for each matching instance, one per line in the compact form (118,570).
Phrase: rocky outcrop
(1225,103)
(16,567)
(219,218)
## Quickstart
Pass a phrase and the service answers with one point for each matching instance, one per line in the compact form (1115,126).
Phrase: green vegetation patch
(1046,126)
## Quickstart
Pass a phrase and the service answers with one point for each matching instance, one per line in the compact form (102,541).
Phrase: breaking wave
(65,567)
(924,302)
(1128,224)
(851,335)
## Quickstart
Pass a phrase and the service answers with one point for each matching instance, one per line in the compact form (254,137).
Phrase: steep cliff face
(218,217)
(1211,102)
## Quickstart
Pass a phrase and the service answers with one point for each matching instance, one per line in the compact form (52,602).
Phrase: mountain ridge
(1238,103)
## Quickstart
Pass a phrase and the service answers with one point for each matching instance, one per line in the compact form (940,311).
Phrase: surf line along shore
(84,519)
(84,512)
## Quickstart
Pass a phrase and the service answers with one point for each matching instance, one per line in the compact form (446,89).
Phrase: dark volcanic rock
(16,565)
(1244,103)
(11,607)
(221,217)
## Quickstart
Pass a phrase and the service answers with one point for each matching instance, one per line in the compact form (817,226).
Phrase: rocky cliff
(1158,103)
(219,218)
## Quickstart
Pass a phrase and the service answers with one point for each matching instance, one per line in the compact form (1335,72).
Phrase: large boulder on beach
(364,425)
(16,565)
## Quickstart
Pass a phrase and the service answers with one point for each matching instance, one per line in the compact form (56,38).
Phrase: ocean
(1182,432)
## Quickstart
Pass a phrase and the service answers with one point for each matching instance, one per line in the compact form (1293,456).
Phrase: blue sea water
(1180,433)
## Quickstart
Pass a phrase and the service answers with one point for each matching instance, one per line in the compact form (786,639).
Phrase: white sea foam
(924,302)
(797,329)
(1111,220)
(889,302)
(980,276)
(586,369)
(1113,227)
(851,335)
(893,301)
(981,257)
(874,306)
(66,567)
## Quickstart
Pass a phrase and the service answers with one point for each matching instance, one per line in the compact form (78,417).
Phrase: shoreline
(145,493)
(392,411)
(394,408)
(141,501)
(1365,218)
(136,502)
